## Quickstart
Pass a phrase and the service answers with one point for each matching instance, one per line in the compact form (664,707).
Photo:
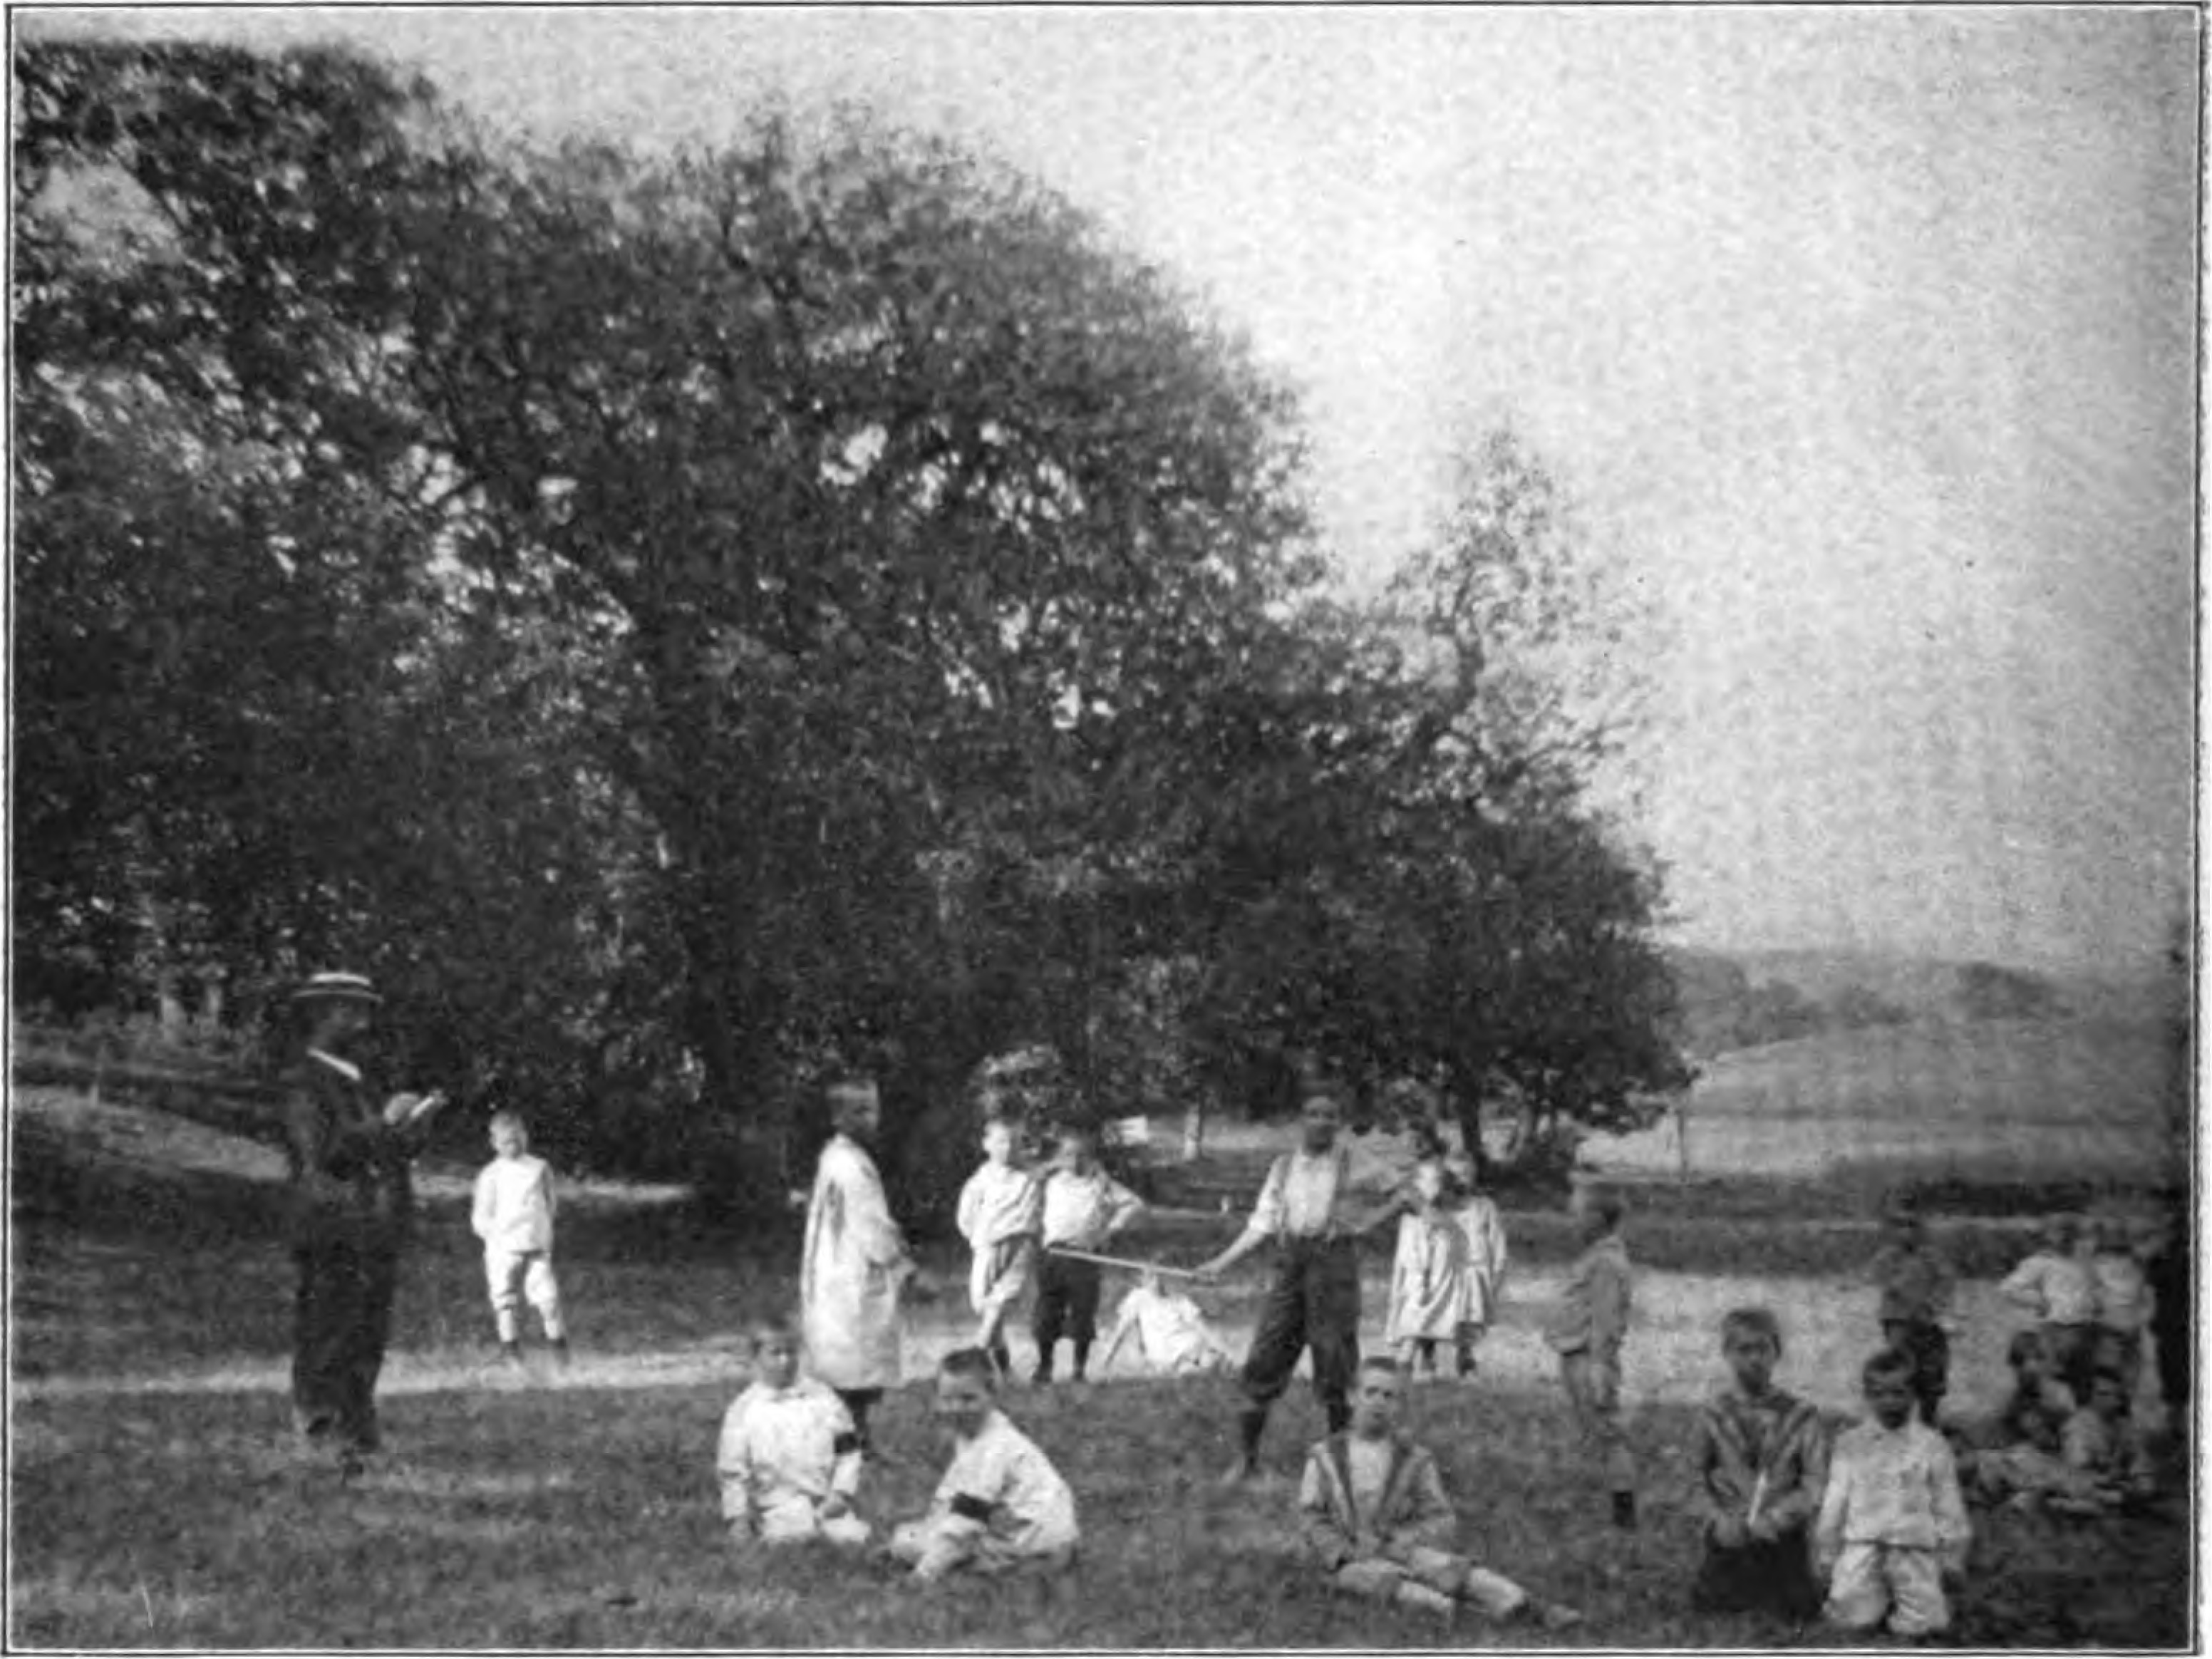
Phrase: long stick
(1120,1261)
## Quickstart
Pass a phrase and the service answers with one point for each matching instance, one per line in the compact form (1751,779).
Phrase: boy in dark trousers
(1762,1462)
(1916,1284)
(1586,1332)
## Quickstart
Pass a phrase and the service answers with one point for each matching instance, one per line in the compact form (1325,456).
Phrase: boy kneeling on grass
(789,1458)
(1373,1512)
(1001,1507)
(1762,1462)
(1892,1531)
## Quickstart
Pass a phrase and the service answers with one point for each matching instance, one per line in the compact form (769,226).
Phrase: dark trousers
(1314,1303)
(1067,1304)
(342,1322)
(858,1402)
(1922,1342)
(1776,1577)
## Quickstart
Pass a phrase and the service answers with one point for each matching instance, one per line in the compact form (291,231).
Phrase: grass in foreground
(586,1516)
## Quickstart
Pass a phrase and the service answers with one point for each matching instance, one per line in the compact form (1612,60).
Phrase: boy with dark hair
(1083,1208)
(789,1459)
(1892,1528)
(1762,1461)
(1374,1514)
(1587,1333)
(2054,1282)
(1001,1506)
(1916,1284)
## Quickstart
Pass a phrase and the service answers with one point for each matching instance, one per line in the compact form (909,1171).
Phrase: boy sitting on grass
(1893,1529)
(789,1458)
(1762,1462)
(2031,1471)
(1001,1507)
(2102,1444)
(1373,1512)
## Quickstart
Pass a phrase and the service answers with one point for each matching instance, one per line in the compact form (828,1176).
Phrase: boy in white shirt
(2056,1284)
(1893,1528)
(1001,1506)
(514,1215)
(999,1218)
(1083,1208)
(789,1459)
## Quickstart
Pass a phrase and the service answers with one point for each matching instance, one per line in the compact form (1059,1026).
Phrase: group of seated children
(2066,1440)
(1374,1516)
(790,1468)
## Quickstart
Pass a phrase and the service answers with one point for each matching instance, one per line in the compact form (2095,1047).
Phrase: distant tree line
(1724,1009)
(683,622)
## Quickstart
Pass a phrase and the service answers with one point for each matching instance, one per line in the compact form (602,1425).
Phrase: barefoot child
(512,1213)
(1428,1276)
(1001,1506)
(789,1459)
(1083,1208)
(1893,1529)
(1587,1333)
(999,1218)
(1762,1461)
(1374,1515)
(1484,1282)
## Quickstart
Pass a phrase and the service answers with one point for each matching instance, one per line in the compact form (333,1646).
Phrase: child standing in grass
(512,1214)
(789,1457)
(1587,1333)
(2123,1298)
(999,1218)
(1762,1461)
(1374,1515)
(1916,1284)
(1428,1288)
(2056,1284)
(1083,1208)
(1892,1528)
(1001,1506)
(1483,1285)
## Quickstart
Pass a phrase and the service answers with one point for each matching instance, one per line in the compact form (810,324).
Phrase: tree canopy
(689,620)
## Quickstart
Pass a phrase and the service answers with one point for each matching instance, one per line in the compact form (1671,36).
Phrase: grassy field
(1994,1101)
(156,1503)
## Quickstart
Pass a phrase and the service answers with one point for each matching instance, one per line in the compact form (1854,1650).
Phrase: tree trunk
(1194,1128)
(1466,1107)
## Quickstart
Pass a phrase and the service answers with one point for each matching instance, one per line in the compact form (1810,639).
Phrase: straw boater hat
(336,987)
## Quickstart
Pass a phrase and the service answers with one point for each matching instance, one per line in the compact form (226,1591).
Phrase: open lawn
(155,1501)
(1997,1101)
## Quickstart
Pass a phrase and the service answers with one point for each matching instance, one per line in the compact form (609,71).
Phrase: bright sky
(1867,338)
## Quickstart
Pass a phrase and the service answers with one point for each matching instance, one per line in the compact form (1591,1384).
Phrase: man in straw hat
(352,1200)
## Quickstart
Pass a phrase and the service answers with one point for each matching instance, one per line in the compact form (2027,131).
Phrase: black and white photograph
(1103,828)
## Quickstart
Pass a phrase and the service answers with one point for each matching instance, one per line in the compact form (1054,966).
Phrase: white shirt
(1171,1328)
(2123,1291)
(1892,1487)
(2060,1288)
(782,1443)
(1031,1508)
(999,1202)
(1081,1211)
(514,1204)
(1304,1190)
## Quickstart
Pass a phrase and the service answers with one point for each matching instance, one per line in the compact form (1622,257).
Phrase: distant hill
(1746,1000)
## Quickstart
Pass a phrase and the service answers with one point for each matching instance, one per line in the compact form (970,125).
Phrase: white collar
(344,1068)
